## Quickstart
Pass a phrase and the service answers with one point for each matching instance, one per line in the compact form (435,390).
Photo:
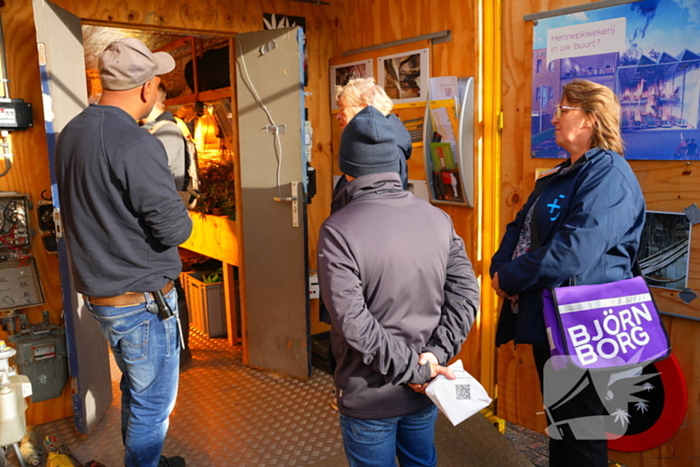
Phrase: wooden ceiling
(96,38)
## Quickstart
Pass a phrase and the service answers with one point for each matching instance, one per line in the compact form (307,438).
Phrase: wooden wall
(668,186)
(30,172)
(351,24)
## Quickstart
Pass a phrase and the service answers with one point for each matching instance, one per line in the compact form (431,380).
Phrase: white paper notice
(598,37)
(458,398)
(443,87)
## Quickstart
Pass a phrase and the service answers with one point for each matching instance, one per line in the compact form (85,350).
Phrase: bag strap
(160,124)
(188,159)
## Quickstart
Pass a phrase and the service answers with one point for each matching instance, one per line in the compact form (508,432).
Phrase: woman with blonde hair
(581,225)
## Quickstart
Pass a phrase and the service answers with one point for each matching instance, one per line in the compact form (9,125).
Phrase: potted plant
(217,188)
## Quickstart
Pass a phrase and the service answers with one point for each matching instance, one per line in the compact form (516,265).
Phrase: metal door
(272,174)
(62,66)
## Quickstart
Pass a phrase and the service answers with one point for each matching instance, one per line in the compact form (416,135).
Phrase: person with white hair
(359,93)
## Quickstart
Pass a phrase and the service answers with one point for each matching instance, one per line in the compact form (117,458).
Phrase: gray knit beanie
(368,145)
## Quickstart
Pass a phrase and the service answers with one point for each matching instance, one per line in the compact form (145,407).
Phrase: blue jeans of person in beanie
(147,350)
(377,443)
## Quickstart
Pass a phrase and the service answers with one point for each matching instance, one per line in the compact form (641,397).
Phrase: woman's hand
(496,286)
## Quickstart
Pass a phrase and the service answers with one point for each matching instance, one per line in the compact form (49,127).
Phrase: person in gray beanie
(396,318)
(368,145)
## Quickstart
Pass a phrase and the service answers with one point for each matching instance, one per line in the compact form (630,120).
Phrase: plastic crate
(206,304)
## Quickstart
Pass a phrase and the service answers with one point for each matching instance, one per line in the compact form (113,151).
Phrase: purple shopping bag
(605,325)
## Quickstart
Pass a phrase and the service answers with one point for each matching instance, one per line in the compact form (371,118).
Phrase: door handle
(295,203)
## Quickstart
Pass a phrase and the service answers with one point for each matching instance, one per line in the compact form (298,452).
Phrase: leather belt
(127,299)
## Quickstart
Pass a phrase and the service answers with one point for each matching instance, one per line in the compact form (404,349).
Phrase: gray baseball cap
(127,63)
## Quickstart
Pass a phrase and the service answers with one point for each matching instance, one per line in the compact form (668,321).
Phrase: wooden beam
(213,236)
(230,293)
(204,96)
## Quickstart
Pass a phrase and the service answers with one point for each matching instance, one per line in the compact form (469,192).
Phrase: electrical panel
(15,114)
(15,232)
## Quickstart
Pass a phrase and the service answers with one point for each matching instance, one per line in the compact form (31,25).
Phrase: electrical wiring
(10,215)
(20,256)
(278,143)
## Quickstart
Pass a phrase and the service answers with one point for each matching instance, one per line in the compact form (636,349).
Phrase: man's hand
(435,369)
(426,357)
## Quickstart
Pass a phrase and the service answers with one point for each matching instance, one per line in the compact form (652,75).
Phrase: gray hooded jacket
(397,282)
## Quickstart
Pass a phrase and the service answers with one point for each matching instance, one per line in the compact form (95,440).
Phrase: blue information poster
(648,52)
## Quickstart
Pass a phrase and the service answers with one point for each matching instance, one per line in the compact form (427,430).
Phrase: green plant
(213,277)
(217,186)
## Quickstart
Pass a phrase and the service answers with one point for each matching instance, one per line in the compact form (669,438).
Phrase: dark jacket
(123,217)
(405,148)
(397,282)
(586,227)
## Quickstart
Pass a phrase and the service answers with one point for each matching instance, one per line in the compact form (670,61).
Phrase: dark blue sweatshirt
(122,216)
(586,226)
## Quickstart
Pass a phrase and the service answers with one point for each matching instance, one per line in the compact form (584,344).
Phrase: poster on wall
(647,52)
(664,249)
(405,76)
(273,21)
(341,74)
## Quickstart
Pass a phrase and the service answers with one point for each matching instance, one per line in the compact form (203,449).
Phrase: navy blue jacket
(586,226)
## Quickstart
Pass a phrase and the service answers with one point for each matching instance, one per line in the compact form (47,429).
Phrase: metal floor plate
(227,414)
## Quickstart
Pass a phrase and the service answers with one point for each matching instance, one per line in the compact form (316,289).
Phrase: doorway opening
(198,95)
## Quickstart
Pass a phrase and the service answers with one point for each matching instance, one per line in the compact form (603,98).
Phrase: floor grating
(227,414)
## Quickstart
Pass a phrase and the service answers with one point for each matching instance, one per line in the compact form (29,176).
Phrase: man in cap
(402,297)
(123,221)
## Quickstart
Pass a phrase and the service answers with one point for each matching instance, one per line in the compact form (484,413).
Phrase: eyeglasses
(565,107)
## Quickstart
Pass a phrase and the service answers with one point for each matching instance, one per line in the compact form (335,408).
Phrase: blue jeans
(377,443)
(147,351)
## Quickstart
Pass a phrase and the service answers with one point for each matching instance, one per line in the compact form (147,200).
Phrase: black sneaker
(175,461)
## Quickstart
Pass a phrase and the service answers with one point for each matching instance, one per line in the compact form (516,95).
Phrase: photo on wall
(405,76)
(664,250)
(341,74)
(647,52)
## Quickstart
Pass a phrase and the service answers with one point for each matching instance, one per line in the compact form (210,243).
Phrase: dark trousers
(571,452)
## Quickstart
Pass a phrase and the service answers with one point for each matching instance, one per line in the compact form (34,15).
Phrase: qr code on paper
(464,392)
